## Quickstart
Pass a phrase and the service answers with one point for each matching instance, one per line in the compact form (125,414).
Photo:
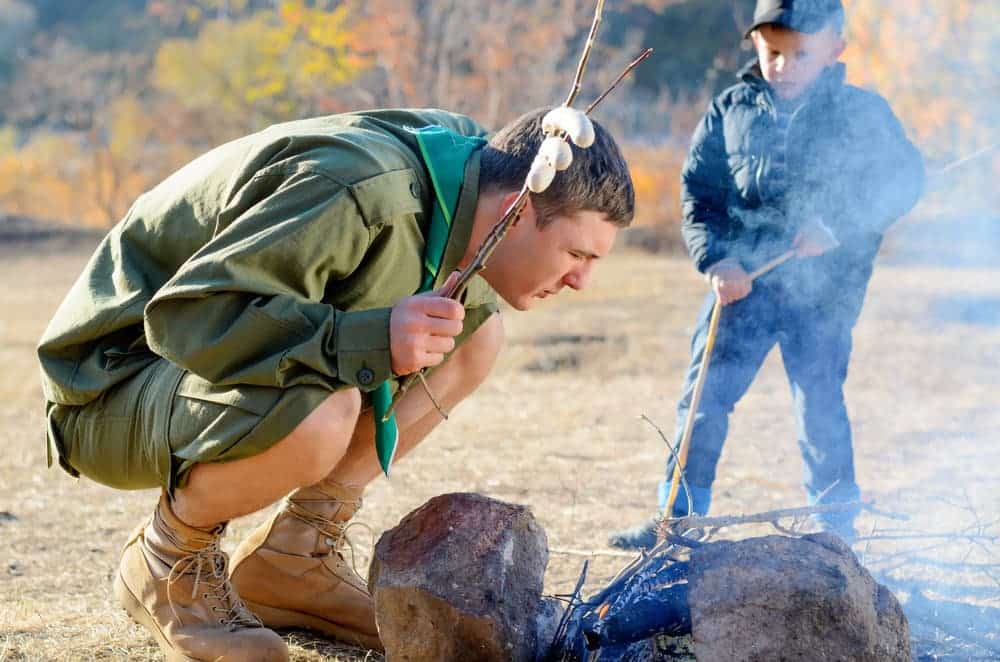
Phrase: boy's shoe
(292,573)
(172,580)
(642,536)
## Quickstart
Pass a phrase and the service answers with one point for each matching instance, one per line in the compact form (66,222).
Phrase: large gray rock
(791,599)
(460,578)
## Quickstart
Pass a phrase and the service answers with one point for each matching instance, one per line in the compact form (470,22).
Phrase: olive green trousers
(151,429)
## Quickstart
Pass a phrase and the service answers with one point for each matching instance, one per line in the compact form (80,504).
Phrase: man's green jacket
(272,260)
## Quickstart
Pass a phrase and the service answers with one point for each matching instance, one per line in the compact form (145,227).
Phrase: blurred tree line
(101,99)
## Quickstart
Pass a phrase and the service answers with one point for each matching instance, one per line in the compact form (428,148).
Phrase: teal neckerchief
(445,154)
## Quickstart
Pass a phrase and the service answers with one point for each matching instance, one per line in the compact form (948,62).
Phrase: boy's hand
(814,239)
(729,281)
(422,329)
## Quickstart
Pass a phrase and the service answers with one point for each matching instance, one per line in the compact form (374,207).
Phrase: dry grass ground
(557,428)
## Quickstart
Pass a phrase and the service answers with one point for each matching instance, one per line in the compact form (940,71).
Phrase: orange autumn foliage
(934,60)
(237,66)
(656,177)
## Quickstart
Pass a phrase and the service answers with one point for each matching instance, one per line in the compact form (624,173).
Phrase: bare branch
(591,552)
(677,461)
(932,536)
(582,66)
(771,516)
(632,65)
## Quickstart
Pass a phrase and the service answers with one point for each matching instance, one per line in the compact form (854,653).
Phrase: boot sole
(139,614)
(286,618)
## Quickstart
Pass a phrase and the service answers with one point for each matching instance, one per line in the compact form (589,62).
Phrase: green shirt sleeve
(248,307)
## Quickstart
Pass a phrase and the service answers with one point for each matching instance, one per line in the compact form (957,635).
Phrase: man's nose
(578,278)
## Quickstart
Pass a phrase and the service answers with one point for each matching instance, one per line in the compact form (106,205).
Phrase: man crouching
(224,341)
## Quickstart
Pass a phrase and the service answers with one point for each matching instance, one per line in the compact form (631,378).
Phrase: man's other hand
(729,281)
(422,329)
(814,239)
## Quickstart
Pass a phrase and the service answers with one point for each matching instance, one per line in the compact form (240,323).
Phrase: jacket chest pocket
(745,170)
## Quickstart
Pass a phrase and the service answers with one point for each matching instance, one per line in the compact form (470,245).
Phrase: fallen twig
(772,516)
(592,552)
(574,601)
(677,460)
(933,536)
(951,565)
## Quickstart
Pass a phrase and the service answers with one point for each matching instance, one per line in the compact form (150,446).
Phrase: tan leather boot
(292,573)
(172,580)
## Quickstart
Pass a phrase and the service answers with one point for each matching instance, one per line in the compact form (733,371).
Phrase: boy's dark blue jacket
(847,162)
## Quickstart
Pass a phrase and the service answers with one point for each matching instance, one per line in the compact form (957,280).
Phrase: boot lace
(208,565)
(335,533)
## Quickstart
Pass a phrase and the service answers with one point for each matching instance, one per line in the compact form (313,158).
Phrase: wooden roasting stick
(699,385)
(511,215)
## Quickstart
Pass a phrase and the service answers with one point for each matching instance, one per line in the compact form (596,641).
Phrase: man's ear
(527,212)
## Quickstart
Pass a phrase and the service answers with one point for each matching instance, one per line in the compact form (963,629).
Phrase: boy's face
(534,263)
(792,61)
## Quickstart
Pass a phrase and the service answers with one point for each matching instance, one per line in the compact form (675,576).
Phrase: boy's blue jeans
(815,342)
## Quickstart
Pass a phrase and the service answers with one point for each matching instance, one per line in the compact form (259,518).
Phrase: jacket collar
(465,212)
(828,85)
(452,162)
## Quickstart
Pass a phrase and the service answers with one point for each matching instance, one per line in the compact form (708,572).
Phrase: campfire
(460,578)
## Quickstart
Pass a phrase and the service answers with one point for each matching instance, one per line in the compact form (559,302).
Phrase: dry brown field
(557,427)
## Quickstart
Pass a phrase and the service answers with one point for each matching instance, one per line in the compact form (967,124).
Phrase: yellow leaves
(129,126)
(292,12)
(930,58)
(270,66)
(221,69)
(40,178)
(323,28)
(85,177)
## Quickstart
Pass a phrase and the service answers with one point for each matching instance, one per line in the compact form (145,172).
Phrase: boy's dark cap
(799,15)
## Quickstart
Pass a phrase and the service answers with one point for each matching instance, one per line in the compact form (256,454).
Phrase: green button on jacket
(273,260)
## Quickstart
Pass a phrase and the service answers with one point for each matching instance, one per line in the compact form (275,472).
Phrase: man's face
(792,61)
(534,263)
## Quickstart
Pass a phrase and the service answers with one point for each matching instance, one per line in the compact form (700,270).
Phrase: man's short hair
(597,180)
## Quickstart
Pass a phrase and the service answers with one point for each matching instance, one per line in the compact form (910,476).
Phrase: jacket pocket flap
(255,399)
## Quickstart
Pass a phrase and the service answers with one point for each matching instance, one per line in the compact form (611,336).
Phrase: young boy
(790,158)
(225,340)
